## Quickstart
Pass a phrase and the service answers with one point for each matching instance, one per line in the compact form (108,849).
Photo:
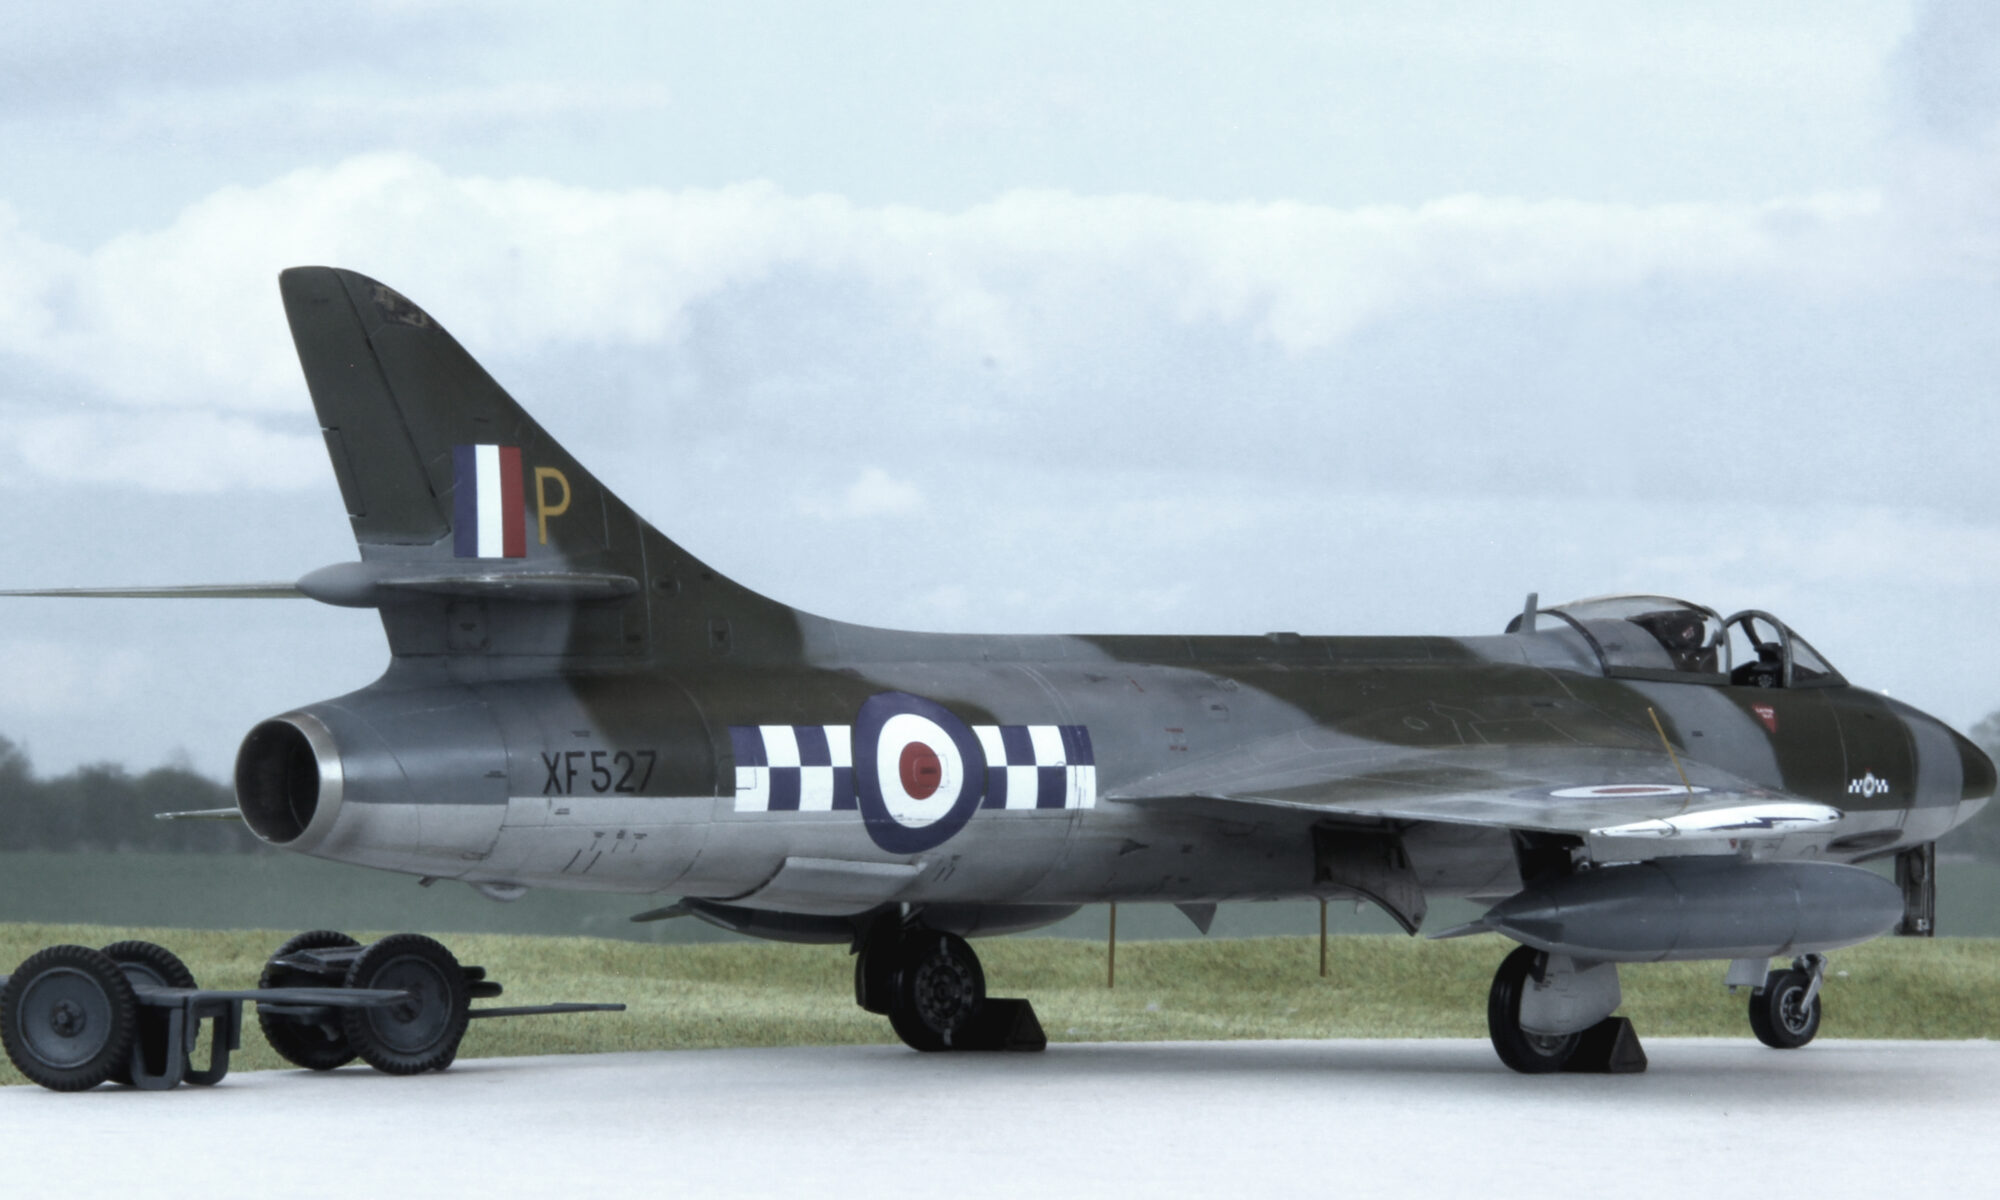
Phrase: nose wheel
(1784,1013)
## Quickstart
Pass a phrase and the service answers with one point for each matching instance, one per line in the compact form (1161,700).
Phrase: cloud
(1945,78)
(172,451)
(184,313)
(875,494)
(85,55)
(1043,320)
(1946,73)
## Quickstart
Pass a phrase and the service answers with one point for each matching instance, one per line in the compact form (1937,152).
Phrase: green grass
(708,996)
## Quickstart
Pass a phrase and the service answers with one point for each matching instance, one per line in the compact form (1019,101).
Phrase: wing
(1593,792)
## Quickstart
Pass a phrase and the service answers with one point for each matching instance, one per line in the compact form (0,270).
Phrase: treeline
(101,807)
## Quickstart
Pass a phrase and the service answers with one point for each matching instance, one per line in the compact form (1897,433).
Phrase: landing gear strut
(929,984)
(1784,1013)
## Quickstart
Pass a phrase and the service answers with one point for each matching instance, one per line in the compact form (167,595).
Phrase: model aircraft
(575,701)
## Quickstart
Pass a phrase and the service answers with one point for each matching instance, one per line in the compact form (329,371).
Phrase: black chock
(1610,1047)
(1002,1025)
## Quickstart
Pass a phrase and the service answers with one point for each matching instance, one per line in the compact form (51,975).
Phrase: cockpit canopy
(1659,637)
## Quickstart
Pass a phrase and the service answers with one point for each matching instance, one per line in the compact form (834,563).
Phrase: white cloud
(875,493)
(1036,314)
(186,315)
(175,451)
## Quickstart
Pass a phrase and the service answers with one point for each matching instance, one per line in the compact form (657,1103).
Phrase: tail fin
(459,497)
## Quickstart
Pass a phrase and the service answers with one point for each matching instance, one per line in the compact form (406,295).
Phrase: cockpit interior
(1660,637)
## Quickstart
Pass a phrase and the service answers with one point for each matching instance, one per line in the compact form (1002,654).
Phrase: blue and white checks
(1038,766)
(810,768)
(793,768)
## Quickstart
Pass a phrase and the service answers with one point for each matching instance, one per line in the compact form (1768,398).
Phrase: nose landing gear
(1784,1013)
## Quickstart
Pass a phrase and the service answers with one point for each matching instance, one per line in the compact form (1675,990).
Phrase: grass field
(289,891)
(706,996)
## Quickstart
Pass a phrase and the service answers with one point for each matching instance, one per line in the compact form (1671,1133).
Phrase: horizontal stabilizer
(192,591)
(202,814)
(371,584)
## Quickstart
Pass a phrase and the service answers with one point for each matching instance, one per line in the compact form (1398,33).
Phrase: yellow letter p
(544,509)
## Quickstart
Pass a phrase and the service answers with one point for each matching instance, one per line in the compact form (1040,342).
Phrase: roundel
(918,772)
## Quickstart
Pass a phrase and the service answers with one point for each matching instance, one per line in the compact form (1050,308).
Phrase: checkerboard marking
(810,768)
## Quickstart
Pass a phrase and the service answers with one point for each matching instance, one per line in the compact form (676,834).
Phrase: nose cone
(1978,770)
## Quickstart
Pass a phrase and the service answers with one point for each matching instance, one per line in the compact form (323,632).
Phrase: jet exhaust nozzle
(1679,909)
(289,780)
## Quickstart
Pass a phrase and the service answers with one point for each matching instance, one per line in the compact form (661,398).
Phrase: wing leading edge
(1596,793)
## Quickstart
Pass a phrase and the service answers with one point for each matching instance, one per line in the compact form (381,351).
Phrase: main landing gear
(929,984)
(1548,1012)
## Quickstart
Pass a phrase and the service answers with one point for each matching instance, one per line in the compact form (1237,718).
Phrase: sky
(1345,318)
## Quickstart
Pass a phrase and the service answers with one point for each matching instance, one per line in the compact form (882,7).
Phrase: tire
(1778,1018)
(68,1017)
(148,963)
(313,1045)
(416,1035)
(939,988)
(1528,1053)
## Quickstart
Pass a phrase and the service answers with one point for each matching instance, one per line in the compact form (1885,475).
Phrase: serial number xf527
(575,701)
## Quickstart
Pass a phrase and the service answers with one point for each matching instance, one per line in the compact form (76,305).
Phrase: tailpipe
(288,780)
(1679,909)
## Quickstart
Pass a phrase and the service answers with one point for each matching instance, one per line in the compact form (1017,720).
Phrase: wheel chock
(1610,1047)
(1002,1025)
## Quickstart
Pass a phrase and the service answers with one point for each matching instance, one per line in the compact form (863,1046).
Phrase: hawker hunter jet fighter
(575,701)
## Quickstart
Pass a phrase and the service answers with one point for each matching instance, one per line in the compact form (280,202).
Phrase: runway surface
(1336,1118)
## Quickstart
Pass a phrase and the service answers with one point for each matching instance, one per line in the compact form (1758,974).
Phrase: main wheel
(314,1045)
(149,963)
(1528,1053)
(414,1035)
(938,988)
(1779,1015)
(67,1018)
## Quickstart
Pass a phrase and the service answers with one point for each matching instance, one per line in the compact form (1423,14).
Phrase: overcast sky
(1343,318)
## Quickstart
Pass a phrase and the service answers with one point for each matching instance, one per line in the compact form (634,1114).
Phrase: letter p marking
(544,507)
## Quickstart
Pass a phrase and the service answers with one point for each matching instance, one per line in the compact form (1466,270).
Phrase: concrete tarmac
(1401,1118)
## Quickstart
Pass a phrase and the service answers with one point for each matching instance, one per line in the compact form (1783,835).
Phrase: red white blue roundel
(919,773)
